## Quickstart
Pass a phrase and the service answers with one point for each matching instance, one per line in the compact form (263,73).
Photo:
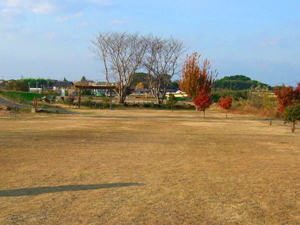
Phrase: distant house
(62,87)
(177,94)
(91,82)
(140,91)
(36,90)
(171,91)
(73,92)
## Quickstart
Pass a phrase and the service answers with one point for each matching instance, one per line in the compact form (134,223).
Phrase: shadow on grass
(44,190)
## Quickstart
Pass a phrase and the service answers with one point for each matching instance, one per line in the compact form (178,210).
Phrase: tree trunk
(122,95)
(204,113)
(226,114)
(293,127)
(156,95)
(270,118)
(122,99)
(110,98)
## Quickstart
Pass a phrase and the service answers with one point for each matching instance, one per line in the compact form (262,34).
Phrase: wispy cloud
(87,24)
(62,19)
(13,3)
(10,14)
(35,6)
(117,22)
(43,8)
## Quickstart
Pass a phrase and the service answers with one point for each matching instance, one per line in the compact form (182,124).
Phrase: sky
(52,38)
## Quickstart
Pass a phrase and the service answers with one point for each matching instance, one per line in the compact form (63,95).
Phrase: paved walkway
(4,101)
(7,102)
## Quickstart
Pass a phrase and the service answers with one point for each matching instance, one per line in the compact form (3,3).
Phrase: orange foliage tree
(287,96)
(196,78)
(225,103)
(197,81)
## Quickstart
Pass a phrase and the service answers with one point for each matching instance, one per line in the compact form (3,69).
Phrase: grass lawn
(148,167)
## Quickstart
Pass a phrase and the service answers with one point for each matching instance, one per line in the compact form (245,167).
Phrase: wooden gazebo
(83,85)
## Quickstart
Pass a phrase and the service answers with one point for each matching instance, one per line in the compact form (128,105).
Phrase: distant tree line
(238,82)
(25,84)
(39,82)
(18,85)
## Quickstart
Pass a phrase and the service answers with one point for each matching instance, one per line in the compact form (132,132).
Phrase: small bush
(171,102)
(157,106)
(105,103)
(146,105)
(70,99)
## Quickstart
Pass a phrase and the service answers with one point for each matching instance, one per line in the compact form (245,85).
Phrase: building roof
(63,84)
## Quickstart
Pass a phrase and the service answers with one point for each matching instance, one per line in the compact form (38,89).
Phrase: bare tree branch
(161,62)
(122,55)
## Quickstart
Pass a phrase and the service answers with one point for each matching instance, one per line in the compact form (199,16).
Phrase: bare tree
(161,62)
(122,54)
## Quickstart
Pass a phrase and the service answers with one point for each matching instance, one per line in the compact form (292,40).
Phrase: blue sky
(51,38)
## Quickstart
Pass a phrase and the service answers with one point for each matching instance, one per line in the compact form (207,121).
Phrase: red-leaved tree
(197,81)
(287,96)
(202,101)
(225,103)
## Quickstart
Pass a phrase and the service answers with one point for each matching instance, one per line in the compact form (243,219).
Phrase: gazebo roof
(84,85)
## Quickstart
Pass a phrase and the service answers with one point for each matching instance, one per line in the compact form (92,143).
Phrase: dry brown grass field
(148,167)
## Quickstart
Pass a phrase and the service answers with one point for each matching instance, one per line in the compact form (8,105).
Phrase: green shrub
(171,101)
(235,95)
(70,99)
(292,115)
(146,105)
(157,106)
(105,103)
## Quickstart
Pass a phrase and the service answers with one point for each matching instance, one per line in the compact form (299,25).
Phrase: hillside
(238,82)
(141,77)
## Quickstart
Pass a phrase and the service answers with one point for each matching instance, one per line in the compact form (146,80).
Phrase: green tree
(292,115)
(9,85)
(171,101)
(269,102)
(18,85)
